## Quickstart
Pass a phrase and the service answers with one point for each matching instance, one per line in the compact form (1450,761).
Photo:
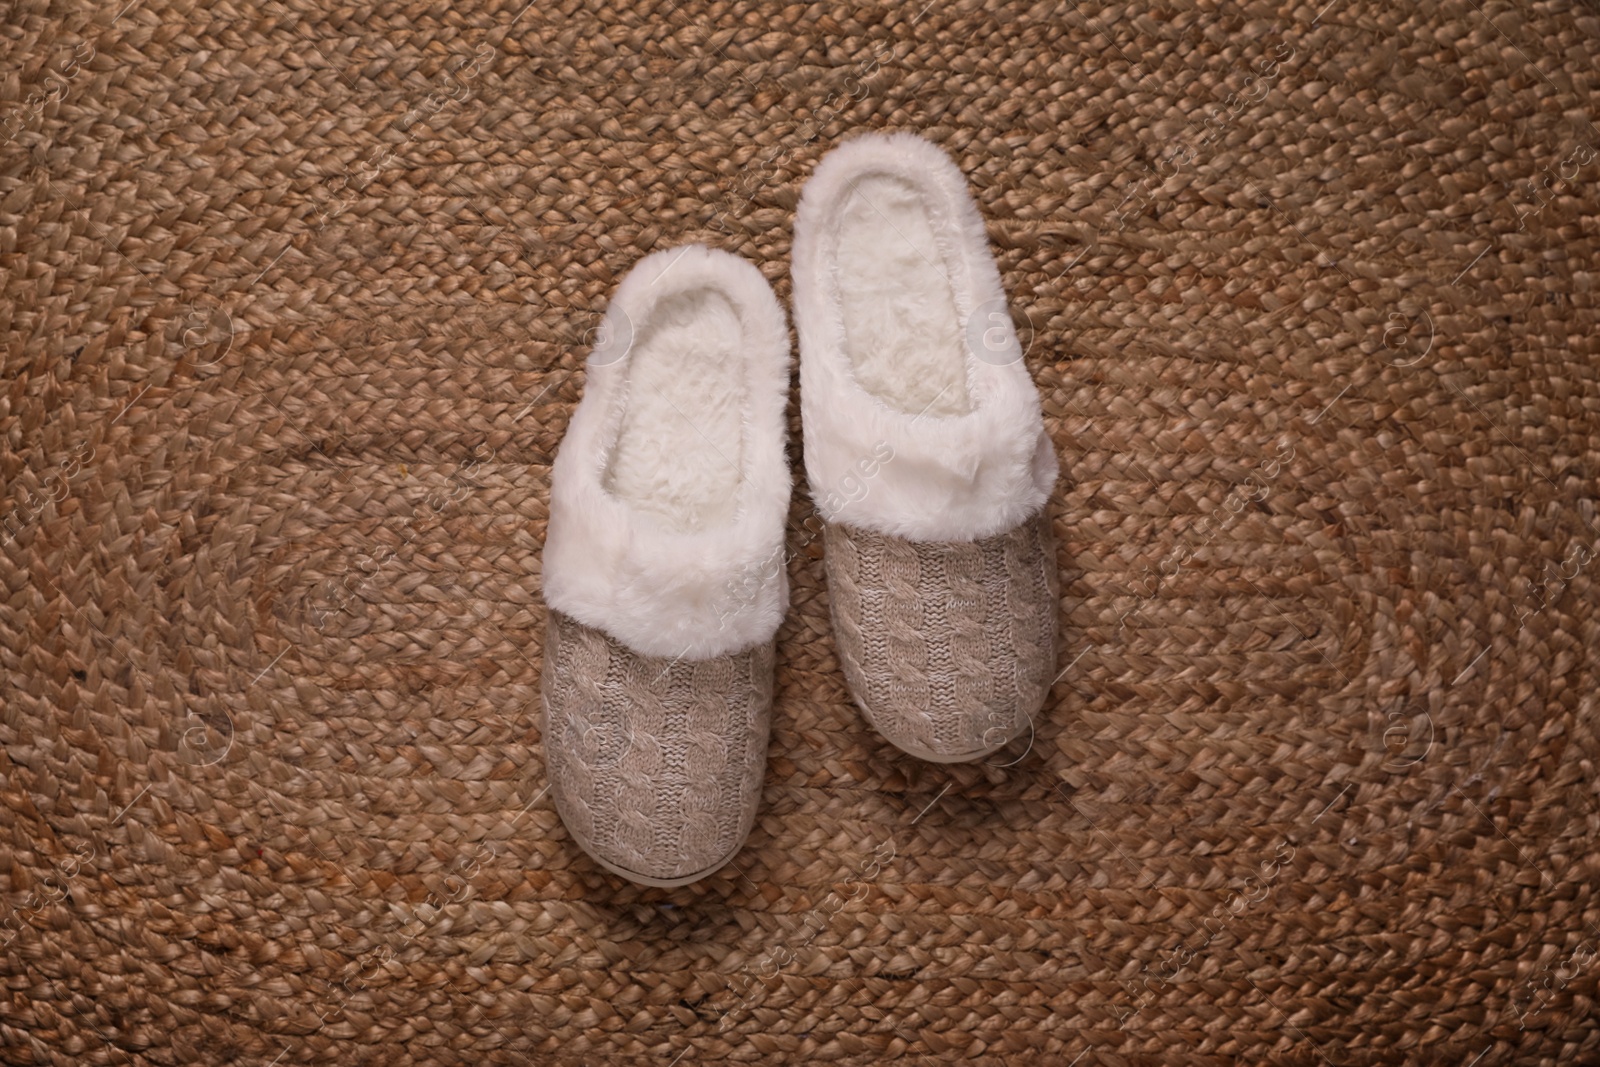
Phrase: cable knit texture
(948,647)
(655,763)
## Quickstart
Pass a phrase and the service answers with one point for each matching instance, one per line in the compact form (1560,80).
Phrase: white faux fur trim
(666,588)
(965,467)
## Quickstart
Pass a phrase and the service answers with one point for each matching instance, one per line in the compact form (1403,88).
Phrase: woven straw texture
(296,301)
(948,647)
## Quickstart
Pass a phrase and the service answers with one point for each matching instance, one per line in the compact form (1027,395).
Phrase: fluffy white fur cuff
(671,488)
(919,416)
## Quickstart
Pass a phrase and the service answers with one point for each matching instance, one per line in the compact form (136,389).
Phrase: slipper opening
(902,330)
(679,445)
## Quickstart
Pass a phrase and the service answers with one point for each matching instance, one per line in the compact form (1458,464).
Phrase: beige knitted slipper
(667,508)
(925,452)
(655,763)
(948,646)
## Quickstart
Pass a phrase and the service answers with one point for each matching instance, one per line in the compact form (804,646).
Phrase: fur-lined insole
(678,453)
(901,331)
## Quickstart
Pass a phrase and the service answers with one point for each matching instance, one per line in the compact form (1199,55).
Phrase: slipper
(662,569)
(925,451)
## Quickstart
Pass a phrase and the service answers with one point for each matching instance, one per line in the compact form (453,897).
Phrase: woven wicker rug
(296,302)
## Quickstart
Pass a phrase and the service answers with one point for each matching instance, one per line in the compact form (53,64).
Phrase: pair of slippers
(664,566)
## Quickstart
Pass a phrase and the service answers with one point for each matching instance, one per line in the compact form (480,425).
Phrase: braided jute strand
(296,303)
